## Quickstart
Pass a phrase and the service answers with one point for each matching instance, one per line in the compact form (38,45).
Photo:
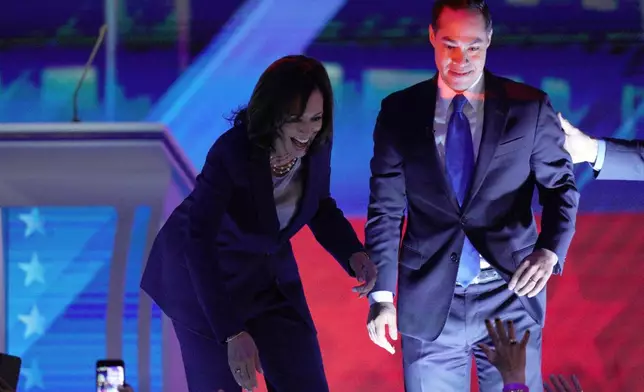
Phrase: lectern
(80,205)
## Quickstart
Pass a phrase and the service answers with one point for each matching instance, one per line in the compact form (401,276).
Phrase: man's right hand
(243,359)
(382,314)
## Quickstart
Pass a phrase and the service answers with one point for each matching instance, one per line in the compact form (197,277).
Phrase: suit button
(463,220)
(453,257)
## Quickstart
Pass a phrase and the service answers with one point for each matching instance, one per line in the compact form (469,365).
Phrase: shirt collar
(475,94)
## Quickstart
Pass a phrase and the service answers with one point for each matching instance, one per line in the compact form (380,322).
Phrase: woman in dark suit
(222,267)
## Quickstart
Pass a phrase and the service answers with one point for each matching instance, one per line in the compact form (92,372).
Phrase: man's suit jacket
(624,160)
(521,147)
(220,258)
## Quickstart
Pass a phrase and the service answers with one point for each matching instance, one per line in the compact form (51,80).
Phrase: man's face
(460,47)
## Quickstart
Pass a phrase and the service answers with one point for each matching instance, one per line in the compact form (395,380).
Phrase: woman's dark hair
(285,87)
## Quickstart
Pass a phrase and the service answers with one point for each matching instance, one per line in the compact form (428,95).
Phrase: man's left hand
(365,271)
(533,273)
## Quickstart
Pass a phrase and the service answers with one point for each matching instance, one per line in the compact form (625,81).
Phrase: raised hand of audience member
(507,354)
(558,383)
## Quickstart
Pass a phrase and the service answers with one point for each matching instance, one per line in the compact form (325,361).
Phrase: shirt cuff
(601,154)
(381,296)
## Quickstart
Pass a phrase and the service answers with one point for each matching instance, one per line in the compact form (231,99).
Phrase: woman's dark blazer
(221,257)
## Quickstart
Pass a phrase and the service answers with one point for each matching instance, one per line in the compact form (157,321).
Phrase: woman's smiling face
(298,132)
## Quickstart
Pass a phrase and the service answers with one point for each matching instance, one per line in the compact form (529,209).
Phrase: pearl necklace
(283,169)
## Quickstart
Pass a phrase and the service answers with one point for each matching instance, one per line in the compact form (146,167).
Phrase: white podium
(81,204)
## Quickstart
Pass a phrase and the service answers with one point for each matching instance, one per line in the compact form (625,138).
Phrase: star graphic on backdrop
(33,376)
(34,270)
(34,322)
(583,320)
(33,222)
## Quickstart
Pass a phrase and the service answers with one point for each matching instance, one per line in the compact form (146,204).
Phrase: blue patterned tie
(459,163)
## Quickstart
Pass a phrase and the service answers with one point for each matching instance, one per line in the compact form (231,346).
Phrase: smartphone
(10,370)
(110,375)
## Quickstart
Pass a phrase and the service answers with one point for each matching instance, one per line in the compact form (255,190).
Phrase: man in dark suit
(611,159)
(460,155)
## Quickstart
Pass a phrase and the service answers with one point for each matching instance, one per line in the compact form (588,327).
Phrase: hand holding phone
(4,386)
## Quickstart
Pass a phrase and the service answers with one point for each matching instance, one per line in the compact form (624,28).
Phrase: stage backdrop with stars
(57,275)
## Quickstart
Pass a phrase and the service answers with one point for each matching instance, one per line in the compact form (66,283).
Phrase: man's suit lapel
(428,105)
(495,118)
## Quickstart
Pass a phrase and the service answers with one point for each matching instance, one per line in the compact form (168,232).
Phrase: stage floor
(593,324)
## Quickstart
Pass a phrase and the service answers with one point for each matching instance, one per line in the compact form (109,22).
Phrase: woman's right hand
(243,360)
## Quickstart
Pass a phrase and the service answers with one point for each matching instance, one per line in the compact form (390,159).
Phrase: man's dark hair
(472,5)
(282,91)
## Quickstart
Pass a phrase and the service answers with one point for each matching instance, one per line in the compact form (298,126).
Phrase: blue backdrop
(599,90)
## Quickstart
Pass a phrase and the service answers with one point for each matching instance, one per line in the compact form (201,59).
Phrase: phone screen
(109,378)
